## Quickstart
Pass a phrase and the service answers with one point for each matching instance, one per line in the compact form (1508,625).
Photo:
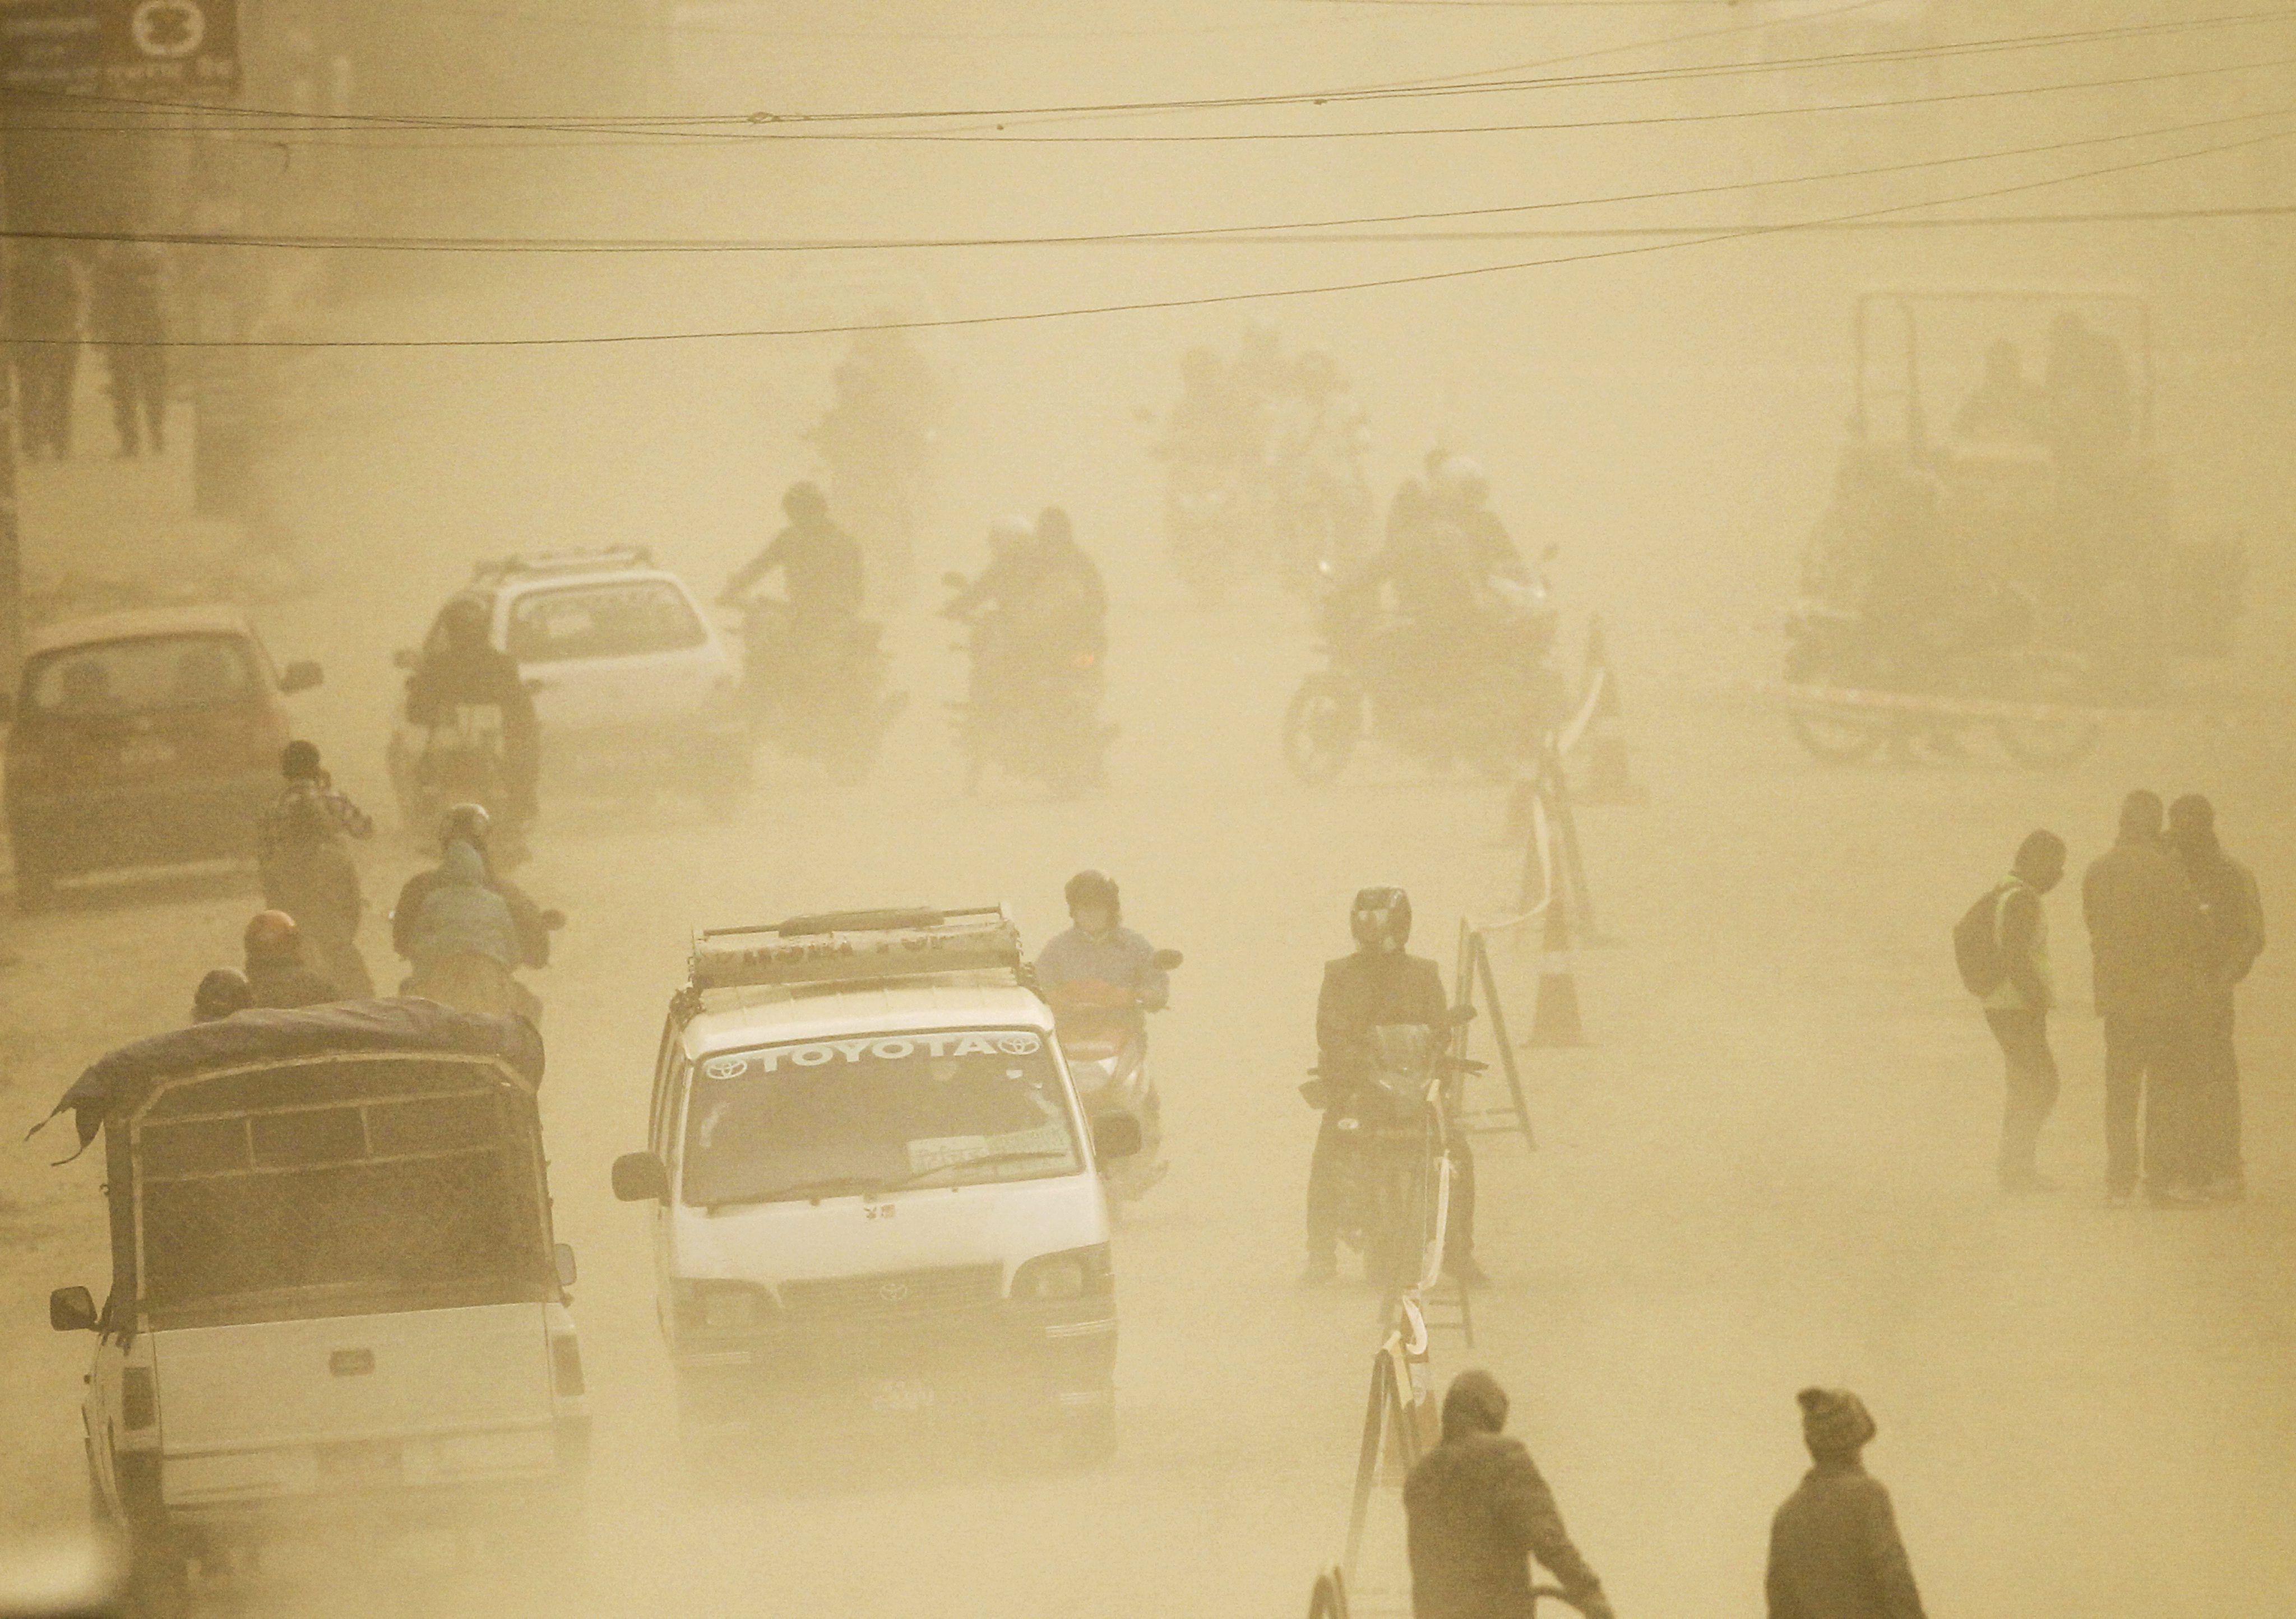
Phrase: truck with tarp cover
(336,1299)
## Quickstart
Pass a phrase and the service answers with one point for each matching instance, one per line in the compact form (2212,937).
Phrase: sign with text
(120,47)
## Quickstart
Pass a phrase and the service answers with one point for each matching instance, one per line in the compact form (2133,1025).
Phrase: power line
(1405,90)
(1203,301)
(1236,233)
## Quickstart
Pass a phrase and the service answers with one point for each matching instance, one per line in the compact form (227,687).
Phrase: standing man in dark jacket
(130,317)
(1479,1511)
(2017,1010)
(2144,935)
(2231,936)
(1835,1548)
(1378,984)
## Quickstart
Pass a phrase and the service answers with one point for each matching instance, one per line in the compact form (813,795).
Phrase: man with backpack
(2001,946)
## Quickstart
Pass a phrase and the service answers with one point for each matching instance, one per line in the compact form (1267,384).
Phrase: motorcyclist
(470,824)
(306,870)
(1207,426)
(277,974)
(820,562)
(1379,984)
(464,942)
(463,667)
(1098,948)
(1039,603)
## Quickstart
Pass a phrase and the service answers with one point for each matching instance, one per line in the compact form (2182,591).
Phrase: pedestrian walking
(1477,1512)
(128,316)
(2002,943)
(1835,1552)
(2231,936)
(47,302)
(2145,938)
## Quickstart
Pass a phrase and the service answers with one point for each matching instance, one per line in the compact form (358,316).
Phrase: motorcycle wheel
(1321,727)
(2047,744)
(1831,738)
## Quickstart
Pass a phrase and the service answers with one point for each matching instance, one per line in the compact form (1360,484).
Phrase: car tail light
(139,1398)
(566,1365)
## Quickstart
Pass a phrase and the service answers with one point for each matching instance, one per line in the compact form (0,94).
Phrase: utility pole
(11,555)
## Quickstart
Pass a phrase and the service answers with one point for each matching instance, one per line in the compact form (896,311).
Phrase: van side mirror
(301,676)
(71,1310)
(403,659)
(1462,1015)
(1167,959)
(562,1256)
(640,1177)
(1115,1135)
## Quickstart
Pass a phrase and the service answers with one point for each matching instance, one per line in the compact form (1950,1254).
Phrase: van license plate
(373,1461)
(902,1395)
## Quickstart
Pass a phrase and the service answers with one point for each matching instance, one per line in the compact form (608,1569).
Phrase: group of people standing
(59,298)
(2175,923)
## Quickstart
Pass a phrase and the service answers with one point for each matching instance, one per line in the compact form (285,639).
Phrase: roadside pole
(12,553)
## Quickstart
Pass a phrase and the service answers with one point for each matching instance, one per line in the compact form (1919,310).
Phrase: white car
(873,1182)
(629,679)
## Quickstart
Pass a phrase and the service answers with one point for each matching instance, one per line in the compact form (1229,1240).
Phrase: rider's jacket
(1119,956)
(526,916)
(821,562)
(462,915)
(1365,990)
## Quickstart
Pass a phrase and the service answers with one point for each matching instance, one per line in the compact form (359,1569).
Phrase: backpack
(1976,942)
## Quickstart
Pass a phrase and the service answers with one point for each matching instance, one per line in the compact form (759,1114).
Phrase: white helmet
(1461,481)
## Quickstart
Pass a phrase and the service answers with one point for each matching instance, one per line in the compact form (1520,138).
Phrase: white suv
(627,672)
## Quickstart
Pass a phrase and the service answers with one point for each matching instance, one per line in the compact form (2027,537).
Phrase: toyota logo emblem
(893,1292)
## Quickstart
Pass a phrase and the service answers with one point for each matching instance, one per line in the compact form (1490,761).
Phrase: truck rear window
(139,676)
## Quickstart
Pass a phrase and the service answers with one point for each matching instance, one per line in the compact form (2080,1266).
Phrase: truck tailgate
(303,1407)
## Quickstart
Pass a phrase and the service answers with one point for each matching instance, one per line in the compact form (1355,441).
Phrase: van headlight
(1077,1273)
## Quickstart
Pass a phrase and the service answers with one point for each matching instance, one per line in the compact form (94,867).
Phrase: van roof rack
(595,560)
(856,947)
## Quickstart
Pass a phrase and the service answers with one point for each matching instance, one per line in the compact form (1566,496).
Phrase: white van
(872,1178)
(335,1296)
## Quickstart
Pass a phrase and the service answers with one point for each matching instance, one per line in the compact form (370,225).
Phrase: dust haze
(1611,252)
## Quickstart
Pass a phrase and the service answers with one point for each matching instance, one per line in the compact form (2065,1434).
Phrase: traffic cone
(1608,779)
(1554,1020)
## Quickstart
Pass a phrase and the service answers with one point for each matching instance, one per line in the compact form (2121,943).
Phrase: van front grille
(894,1293)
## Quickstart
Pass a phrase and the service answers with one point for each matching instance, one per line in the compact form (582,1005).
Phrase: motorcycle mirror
(553,920)
(1167,959)
(955,581)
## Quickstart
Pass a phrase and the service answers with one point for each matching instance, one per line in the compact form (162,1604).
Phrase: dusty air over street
(1462,807)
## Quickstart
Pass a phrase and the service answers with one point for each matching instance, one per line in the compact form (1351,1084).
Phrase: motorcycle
(471,982)
(1033,716)
(1384,675)
(1104,1035)
(1986,656)
(1208,523)
(460,758)
(814,686)
(1392,1170)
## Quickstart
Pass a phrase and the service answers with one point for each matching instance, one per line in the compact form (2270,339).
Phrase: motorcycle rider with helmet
(469,823)
(1098,948)
(1379,984)
(463,667)
(820,562)
(798,664)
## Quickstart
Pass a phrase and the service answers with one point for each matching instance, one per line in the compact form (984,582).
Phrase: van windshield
(838,1116)
(375,1202)
(139,676)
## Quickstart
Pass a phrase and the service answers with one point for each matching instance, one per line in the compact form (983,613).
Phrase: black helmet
(1382,918)
(804,501)
(1091,888)
(466,823)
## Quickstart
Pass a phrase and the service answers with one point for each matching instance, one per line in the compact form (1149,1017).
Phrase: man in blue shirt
(1099,947)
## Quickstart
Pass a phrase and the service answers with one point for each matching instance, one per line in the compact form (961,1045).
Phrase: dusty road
(1771,1168)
